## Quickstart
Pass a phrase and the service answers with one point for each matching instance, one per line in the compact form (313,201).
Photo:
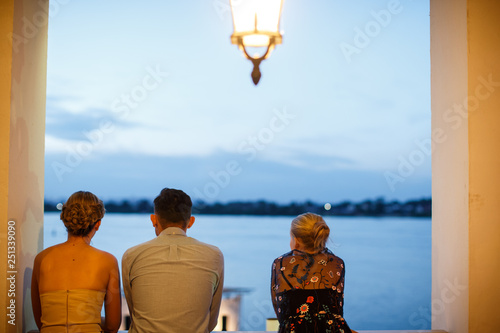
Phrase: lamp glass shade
(256,20)
(255,40)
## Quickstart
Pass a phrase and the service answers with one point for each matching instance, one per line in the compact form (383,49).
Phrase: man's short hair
(173,207)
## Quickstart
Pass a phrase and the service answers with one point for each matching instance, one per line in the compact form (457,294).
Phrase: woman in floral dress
(307,283)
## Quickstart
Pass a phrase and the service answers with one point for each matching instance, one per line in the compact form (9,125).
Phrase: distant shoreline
(372,208)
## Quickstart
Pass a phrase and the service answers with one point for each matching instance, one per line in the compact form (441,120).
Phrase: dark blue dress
(307,291)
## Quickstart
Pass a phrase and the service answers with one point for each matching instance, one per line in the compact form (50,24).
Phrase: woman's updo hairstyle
(81,212)
(311,230)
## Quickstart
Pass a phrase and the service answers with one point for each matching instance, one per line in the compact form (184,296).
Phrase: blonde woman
(307,283)
(72,280)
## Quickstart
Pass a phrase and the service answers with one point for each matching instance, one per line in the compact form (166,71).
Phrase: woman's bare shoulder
(105,256)
(48,251)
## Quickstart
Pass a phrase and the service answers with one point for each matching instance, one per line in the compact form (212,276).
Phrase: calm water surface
(388,261)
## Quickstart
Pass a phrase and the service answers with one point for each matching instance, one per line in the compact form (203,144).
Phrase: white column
(450,166)
(23,67)
(465,83)
(484,164)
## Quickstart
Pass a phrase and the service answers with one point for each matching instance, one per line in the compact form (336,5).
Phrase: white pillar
(484,164)
(23,67)
(465,98)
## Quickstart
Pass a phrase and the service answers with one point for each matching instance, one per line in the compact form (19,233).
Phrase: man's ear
(191,222)
(153,219)
(97,225)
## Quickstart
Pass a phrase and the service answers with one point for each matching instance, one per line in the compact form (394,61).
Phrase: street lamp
(256,24)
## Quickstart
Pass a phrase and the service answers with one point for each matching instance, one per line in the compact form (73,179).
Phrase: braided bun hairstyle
(81,212)
(311,230)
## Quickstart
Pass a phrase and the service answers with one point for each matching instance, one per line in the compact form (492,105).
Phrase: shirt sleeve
(127,288)
(273,289)
(342,279)
(217,297)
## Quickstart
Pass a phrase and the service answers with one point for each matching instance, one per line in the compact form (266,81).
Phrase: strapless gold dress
(71,311)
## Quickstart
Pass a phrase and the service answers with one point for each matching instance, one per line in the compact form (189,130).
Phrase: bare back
(74,266)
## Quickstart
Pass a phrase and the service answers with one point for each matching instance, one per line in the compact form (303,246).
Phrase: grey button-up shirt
(173,283)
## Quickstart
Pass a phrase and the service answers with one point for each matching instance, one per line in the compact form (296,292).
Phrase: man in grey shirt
(173,283)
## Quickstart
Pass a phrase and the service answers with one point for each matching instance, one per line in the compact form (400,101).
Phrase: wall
(23,67)
(465,81)
(484,164)
(450,167)
(6,24)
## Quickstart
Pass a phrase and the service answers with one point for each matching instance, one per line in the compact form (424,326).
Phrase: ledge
(390,331)
(393,331)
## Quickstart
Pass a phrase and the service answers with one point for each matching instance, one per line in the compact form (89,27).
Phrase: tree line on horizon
(376,207)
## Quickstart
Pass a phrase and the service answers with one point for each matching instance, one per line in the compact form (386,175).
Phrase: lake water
(388,261)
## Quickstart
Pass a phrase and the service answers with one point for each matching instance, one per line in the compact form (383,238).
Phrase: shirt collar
(173,231)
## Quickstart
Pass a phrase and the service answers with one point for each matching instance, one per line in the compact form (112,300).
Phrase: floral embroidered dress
(307,291)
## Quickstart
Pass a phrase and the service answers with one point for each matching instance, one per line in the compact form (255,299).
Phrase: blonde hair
(311,230)
(81,212)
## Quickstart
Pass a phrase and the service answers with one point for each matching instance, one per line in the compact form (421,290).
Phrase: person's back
(173,283)
(307,283)
(74,265)
(72,280)
(173,279)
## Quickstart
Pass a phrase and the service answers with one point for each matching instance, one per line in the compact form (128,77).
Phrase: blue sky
(152,94)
